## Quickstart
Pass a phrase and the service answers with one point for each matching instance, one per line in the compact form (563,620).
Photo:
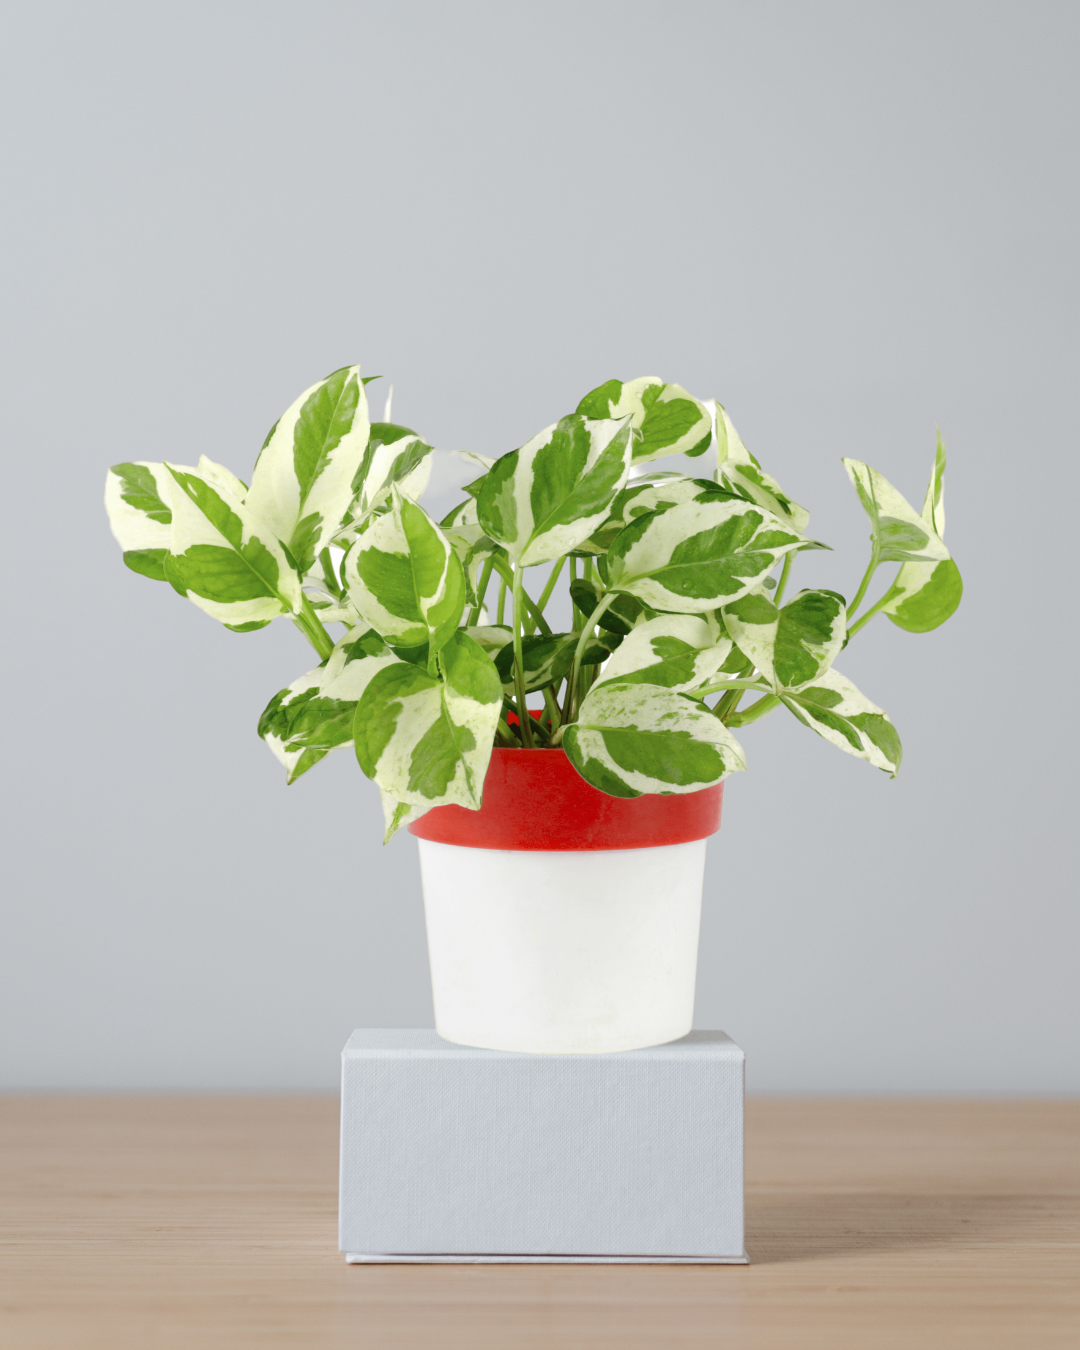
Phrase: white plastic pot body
(576,952)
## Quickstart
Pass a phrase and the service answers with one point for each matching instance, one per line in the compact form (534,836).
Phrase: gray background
(849,222)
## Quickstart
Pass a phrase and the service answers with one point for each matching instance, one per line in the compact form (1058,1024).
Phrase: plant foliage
(678,612)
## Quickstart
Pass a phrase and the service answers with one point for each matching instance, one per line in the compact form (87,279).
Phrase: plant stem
(725,685)
(310,625)
(507,576)
(519,659)
(481,592)
(500,613)
(863,584)
(755,710)
(579,651)
(553,708)
(727,704)
(545,594)
(874,609)
(506,735)
(782,583)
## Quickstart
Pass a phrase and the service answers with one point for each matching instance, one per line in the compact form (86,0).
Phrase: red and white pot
(561,920)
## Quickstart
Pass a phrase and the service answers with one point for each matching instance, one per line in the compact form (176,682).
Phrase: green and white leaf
(836,710)
(396,815)
(698,555)
(222,477)
(666,419)
(792,646)
(655,492)
(223,557)
(545,499)
(632,739)
(404,578)
(393,455)
(138,501)
(303,481)
(492,637)
(462,527)
(680,652)
(314,715)
(897,533)
(546,658)
(925,594)
(427,741)
(738,470)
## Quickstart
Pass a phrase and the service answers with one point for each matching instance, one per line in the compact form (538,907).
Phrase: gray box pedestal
(454,1154)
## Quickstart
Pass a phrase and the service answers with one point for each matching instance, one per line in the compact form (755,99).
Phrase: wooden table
(166,1222)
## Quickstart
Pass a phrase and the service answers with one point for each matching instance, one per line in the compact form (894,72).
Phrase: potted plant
(562,845)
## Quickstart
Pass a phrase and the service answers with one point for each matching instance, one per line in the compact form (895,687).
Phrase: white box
(450,1153)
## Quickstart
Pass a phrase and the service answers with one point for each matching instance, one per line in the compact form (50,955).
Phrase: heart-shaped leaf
(631,739)
(547,498)
(699,555)
(303,481)
(404,577)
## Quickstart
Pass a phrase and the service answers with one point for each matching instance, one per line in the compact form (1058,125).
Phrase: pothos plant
(678,588)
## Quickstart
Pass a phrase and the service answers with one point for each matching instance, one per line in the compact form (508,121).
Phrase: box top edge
(376,1042)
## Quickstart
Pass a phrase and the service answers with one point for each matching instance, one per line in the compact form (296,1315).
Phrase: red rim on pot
(536,799)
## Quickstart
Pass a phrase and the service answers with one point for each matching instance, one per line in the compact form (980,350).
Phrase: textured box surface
(450,1152)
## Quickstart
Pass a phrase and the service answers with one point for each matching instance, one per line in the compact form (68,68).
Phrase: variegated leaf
(545,499)
(314,715)
(656,492)
(224,558)
(397,814)
(925,594)
(898,534)
(404,577)
(303,481)
(794,645)
(680,652)
(836,710)
(546,658)
(427,741)
(666,419)
(698,555)
(462,527)
(137,498)
(393,455)
(222,477)
(630,739)
(492,637)
(620,616)
(740,471)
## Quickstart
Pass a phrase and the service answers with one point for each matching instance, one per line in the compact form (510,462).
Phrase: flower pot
(561,920)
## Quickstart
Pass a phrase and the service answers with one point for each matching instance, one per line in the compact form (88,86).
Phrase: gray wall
(847,221)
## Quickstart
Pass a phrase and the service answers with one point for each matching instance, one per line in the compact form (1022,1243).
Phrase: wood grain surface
(166,1222)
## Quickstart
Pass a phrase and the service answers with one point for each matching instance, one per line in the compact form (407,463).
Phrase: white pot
(554,952)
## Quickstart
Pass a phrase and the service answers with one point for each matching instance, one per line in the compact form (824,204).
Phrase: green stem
(310,625)
(552,705)
(727,704)
(874,609)
(506,735)
(545,594)
(508,574)
(500,613)
(782,583)
(755,710)
(579,651)
(724,685)
(481,592)
(519,660)
(863,584)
